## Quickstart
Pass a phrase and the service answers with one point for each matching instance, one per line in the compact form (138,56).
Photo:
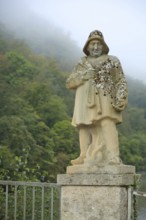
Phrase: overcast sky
(122,23)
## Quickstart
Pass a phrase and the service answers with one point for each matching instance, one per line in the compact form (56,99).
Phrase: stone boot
(79,160)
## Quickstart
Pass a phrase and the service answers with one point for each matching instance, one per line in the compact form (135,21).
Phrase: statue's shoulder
(80,64)
(82,60)
(113,58)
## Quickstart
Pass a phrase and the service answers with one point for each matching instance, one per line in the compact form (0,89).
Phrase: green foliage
(20,70)
(29,107)
(137,91)
(7,162)
(37,140)
(133,150)
(133,121)
(64,136)
(66,145)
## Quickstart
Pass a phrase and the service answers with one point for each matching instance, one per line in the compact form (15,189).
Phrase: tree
(66,145)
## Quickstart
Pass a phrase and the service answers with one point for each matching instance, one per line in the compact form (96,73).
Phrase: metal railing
(29,200)
(38,201)
(132,202)
(139,193)
(135,194)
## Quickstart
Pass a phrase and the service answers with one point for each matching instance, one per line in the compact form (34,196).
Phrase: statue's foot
(79,160)
(115,161)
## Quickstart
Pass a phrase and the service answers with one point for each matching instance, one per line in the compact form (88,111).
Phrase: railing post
(129,202)
(15,202)
(52,202)
(33,202)
(6,213)
(42,212)
(24,204)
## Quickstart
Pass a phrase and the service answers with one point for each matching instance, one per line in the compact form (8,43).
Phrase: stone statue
(101,96)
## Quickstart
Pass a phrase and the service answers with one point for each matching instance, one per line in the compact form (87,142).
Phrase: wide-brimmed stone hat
(96,35)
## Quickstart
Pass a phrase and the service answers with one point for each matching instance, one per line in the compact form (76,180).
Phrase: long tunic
(99,95)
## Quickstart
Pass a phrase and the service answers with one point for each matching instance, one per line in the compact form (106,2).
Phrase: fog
(121,22)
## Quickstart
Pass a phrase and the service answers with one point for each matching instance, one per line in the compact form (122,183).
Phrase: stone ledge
(109,169)
(96,179)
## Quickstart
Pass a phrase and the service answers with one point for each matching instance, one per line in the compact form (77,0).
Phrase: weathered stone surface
(97,180)
(109,169)
(120,175)
(94,203)
(101,96)
(95,196)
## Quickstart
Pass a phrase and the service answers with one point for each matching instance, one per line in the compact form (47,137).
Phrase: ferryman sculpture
(101,96)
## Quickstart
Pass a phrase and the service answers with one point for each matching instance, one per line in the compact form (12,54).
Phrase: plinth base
(109,169)
(96,196)
(95,203)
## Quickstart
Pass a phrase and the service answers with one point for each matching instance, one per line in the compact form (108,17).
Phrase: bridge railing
(38,201)
(132,203)
(139,193)
(29,200)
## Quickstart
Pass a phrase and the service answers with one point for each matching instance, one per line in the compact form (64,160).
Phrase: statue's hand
(90,74)
(119,105)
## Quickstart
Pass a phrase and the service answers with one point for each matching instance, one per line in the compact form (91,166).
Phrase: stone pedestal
(102,195)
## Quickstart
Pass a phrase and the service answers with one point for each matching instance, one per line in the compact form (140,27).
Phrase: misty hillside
(36,135)
(137,92)
(42,36)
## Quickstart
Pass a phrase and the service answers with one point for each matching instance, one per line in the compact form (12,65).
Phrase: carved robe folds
(101,90)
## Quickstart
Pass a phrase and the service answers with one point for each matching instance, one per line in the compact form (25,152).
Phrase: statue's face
(95,48)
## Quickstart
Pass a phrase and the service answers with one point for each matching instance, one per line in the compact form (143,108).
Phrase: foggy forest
(37,140)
